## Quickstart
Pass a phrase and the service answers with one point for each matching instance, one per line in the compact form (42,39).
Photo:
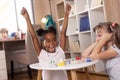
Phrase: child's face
(100,32)
(50,42)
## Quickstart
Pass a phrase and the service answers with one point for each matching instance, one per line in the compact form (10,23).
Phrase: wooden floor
(81,76)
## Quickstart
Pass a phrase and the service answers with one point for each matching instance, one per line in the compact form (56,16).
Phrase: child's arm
(31,30)
(109,53)
(98,54)
(88,51)
(65,24)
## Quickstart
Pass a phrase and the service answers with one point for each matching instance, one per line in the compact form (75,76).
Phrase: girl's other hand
(24,13)
(68,8)
(98,39)
(107,36)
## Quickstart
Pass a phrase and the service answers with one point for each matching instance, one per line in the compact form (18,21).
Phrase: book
(84,23)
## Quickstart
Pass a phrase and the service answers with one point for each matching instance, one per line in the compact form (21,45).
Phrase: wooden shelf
(96,13)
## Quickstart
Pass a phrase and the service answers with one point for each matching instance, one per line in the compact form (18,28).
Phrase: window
(10,16)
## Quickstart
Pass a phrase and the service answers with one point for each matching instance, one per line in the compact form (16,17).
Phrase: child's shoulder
(59,48)
(43,51)
(114,47)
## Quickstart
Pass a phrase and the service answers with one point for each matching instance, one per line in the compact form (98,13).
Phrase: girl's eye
(47,41)
(99,35)
(54,40)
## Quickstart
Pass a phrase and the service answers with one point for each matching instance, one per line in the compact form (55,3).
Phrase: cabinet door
(2,60)
(3,69)
(3,74)
(2,54)
(2,64)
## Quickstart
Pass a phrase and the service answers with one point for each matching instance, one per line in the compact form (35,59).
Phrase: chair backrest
(24,52)
(21,51)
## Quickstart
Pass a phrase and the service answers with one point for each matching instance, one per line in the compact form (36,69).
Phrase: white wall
(42,8)
(8,18)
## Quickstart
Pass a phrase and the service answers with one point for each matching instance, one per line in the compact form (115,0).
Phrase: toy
(88,59)
(60,63)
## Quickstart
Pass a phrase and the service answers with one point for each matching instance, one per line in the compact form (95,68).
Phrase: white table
(71,67)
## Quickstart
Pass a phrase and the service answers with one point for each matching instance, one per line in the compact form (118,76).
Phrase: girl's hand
(106,37)
(98,39)
(68,8)
(24,13)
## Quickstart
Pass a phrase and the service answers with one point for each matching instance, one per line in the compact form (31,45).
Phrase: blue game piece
(88,60)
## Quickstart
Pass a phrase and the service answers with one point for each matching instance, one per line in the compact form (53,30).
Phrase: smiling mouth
(52,48)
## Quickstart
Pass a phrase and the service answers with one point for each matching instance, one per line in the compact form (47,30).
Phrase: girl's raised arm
(65,24)
(31,30)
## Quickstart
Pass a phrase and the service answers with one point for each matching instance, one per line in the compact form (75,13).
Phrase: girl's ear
(43,44)
(57,41)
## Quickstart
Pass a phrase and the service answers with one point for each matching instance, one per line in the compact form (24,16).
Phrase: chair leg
(12,69)
(29,72)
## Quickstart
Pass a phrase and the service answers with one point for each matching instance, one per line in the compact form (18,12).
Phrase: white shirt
(113,65)
(44,60)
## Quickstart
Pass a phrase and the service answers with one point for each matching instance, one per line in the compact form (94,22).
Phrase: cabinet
(84,15)
(3,69)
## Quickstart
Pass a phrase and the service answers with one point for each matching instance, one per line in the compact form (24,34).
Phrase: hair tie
(113,24)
